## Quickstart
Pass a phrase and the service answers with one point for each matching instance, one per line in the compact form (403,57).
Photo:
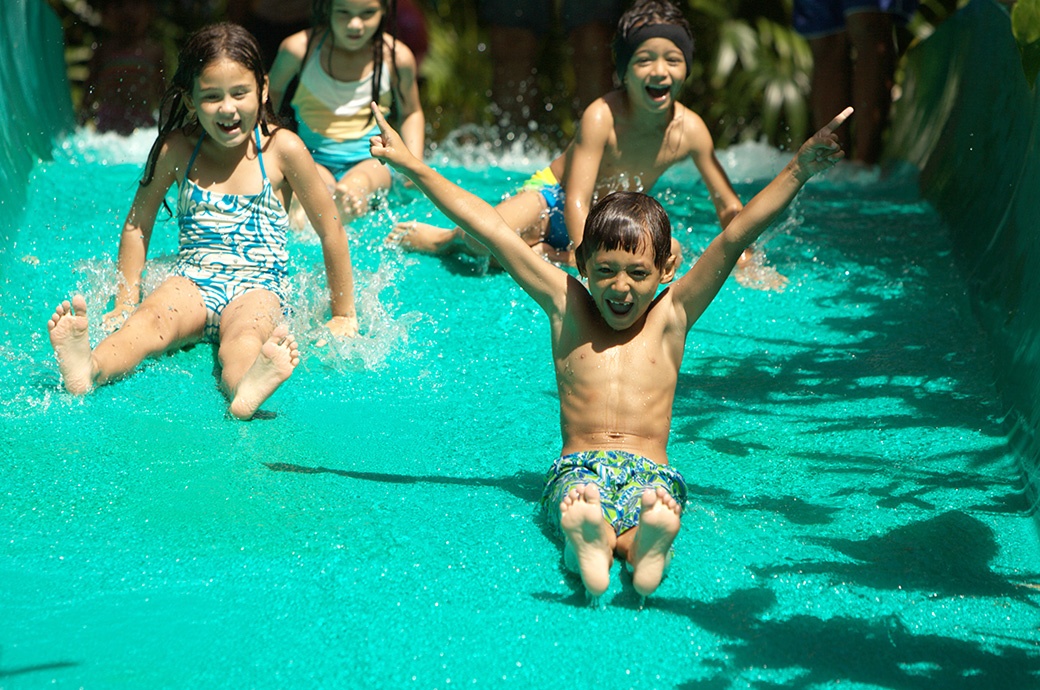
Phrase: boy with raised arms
(617,346)
(626,140)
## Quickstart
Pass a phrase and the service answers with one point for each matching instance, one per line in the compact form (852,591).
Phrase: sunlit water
(855,514)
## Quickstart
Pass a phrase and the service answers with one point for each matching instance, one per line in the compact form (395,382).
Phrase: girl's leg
(255,355)
(525,212)
(171,316)
(354,189)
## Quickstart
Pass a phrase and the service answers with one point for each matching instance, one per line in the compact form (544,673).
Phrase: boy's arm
(544,282)
(286,66)
(727,203)
(583,159)
(302,175)
(695,290)
(412,123)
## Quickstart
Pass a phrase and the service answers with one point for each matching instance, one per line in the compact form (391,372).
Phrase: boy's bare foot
(651,549)
(275,363)
(70,339)
(424,238)
(589,545)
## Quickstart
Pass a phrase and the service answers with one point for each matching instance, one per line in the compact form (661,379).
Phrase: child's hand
(113,320)
(343,326)
(388,146)
(822,150)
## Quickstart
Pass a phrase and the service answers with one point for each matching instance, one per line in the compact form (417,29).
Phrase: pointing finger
(380,120)
(834,124)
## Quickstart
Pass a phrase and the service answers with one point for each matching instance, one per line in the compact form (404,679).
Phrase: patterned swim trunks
(622,478)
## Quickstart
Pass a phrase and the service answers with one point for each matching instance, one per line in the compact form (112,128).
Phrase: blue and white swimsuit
(231,244)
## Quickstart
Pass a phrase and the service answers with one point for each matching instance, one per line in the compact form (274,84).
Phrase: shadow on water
(944,556)
(526,486)
(880,652)
(892,332)
(37,668)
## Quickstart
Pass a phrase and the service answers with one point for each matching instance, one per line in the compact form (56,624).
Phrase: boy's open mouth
(619,308)
(657,92)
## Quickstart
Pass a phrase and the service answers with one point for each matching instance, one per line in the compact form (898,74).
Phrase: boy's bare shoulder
(689,128)
(598,118)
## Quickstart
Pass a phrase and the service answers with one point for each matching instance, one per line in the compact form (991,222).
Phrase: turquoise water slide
(34,97)
(968,119)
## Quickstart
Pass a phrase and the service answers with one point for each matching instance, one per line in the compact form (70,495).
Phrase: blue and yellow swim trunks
(622,477)
(546,184)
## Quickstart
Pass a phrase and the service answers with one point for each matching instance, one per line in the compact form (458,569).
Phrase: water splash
(382,334)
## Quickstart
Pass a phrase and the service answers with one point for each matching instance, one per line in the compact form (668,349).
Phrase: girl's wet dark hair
(205,46)
(647,13)
(321,16)
(626,221)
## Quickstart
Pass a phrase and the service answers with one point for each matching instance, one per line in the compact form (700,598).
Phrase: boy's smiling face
(623,283)
(655,74)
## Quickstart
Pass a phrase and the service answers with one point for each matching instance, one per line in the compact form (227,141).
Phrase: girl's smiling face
(655,74)
(227,101)
(355,22)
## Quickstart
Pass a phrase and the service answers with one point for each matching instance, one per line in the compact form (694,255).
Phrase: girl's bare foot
(70,339)
(589,543)
(651,548)
(275,363)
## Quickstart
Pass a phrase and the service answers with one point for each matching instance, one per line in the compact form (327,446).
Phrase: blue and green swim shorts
(621,477)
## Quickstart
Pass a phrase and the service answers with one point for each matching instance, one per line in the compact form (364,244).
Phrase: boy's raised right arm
(545,283)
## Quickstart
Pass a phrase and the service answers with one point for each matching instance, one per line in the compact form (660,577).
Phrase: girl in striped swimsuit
(236,176)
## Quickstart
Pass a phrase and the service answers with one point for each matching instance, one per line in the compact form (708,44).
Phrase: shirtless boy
(617,346)
(626,140)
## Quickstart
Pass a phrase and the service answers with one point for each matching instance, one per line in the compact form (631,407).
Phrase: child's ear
(670,266)
(263,90)
(189,104)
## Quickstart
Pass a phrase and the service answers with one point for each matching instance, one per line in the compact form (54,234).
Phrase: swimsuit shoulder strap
(194,154)
(259,153)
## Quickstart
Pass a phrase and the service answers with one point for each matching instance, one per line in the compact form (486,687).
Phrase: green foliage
(1025,23)
(761,71)
(456,72)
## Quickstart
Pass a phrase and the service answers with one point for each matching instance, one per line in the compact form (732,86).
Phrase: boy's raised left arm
(697,288)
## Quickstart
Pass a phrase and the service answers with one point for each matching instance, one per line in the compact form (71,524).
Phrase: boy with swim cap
(626,139)
(617,346)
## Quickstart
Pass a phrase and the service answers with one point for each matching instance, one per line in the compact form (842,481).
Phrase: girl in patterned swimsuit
(348,60)
(236,175)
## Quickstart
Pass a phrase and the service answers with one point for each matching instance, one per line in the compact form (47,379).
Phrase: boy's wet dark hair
(663,14)
(628,221)
(205,46)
